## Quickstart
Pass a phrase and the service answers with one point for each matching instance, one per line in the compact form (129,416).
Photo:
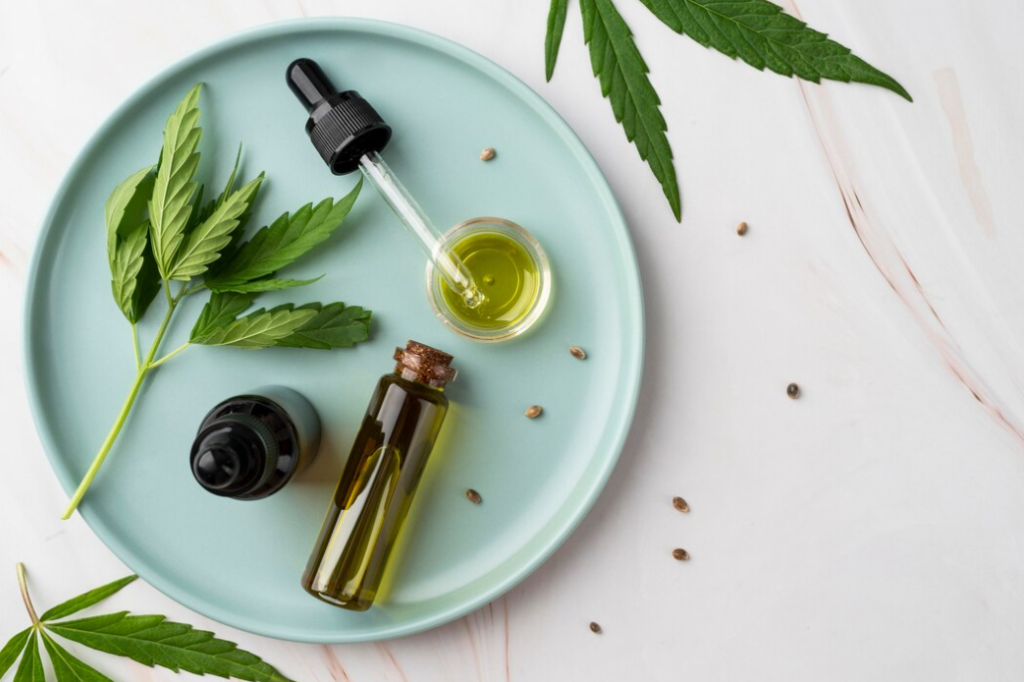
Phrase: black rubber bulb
(309,83)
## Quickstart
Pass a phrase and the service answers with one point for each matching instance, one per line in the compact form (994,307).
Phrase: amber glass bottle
(380,479)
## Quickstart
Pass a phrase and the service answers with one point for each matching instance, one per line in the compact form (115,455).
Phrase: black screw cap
(234,455)
(342,125)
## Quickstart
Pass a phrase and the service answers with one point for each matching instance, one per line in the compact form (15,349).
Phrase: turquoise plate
(240,562)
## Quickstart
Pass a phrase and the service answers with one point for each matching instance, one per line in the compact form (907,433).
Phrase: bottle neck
(414,377)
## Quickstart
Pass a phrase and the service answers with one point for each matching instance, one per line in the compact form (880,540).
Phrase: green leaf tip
(170,207)
(622,72)
(553,37)
(87,599)
(761,34)
(284,241)
(334,326)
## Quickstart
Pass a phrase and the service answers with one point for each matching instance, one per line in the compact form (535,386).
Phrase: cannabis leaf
(126,266)
(334,326)
(87,599)
(762,35)
(170,208)
(183,238)
(756,31)
(154,640)
(623,75)
(126,200)
(147,283)
(9,654)
(134,281)
(556,25)
(213,234)
(220,311)
(266,285)
(260,329)
(285,240)
(31,667)
(67,667)
(150,640)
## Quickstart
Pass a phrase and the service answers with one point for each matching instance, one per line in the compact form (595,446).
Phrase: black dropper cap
(342,125)
(234,455)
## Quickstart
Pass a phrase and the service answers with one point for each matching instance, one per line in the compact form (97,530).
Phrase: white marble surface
(870,530)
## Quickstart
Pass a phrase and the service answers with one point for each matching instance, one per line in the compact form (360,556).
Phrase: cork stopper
(430,366)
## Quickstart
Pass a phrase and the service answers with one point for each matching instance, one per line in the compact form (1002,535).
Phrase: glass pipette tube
(419,225)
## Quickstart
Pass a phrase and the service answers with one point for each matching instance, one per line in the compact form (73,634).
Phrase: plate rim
(636,327)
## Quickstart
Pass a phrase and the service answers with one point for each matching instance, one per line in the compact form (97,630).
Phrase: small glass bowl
(533,250)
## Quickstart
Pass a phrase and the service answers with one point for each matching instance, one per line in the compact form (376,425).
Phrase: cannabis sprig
(151,640)
(755,31)
(162,236)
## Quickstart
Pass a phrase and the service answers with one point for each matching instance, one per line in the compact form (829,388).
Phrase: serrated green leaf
(220,311)
(31,667)
(229,186)
(762,35)
(200,211)
(125,205)
(553,38)
(213,234)
(87,599)
(67,667)
(147,285)
(9,654)
(623,75)
(153,640)
(335,326)
(126,266)
(263,285)
(170,207)
(285,240)
(259,329)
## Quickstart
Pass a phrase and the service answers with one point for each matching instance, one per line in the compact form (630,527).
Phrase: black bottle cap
(342,125)
(234,455)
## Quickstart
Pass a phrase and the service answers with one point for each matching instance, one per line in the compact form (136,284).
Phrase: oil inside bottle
(376,488)
(506,275)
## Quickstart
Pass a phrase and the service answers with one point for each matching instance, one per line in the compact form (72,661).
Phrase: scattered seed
(680,554)
(578,352)
(595,628)
(793,391)
(473,496)
(742,228)
(680,504)
(488,279)
(487,154)
(534,411)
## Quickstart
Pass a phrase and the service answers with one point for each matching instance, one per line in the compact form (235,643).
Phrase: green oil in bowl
(506,275)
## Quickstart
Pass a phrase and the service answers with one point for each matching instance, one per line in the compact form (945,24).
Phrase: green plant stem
(170,355)
(23,584)
(167,295)
(172,303)
(135,347)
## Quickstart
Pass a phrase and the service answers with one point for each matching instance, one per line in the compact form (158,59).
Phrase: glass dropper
(350,134)
(440,253)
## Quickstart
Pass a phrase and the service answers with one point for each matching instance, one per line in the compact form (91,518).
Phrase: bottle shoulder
(414,389)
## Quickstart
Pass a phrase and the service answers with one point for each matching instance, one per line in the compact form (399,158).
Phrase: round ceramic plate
(240,562)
